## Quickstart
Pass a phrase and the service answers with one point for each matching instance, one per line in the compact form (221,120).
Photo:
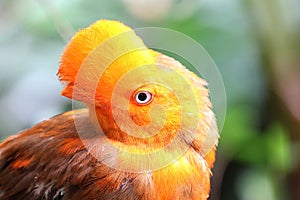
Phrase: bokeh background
(254,43)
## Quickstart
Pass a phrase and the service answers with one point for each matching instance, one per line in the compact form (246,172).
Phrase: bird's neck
(102,119)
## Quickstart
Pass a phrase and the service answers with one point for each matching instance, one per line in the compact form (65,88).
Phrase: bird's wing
(49,161)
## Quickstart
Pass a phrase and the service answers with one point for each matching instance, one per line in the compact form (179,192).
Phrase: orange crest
(97,57)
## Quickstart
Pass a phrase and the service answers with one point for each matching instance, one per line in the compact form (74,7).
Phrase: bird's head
(138,96)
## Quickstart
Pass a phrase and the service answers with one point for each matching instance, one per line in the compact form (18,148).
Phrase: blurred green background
(255,44)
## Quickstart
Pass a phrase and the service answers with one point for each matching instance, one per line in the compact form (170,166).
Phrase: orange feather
(119,147)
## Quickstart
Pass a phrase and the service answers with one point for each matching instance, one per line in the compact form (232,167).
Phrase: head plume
(96,58)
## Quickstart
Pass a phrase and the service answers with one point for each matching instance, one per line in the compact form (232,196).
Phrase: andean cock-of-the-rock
(147,132)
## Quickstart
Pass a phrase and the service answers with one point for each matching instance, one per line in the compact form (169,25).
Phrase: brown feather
(49,161)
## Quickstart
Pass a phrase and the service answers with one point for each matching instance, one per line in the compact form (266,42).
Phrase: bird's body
(49,161)
(65,157)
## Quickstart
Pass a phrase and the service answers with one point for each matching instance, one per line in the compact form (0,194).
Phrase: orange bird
(147,132)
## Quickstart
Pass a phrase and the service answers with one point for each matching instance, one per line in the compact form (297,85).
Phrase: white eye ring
(143,97)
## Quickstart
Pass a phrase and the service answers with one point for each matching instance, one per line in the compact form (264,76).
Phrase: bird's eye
(143,97)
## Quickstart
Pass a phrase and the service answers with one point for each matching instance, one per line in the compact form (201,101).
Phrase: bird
(147,130)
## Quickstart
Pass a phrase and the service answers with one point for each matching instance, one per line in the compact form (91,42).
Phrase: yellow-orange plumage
(120,147)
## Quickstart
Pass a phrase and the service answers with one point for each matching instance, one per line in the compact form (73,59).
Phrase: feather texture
(58,166)
(117,148)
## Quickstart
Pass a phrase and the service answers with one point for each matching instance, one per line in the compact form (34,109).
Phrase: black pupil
(142,96)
